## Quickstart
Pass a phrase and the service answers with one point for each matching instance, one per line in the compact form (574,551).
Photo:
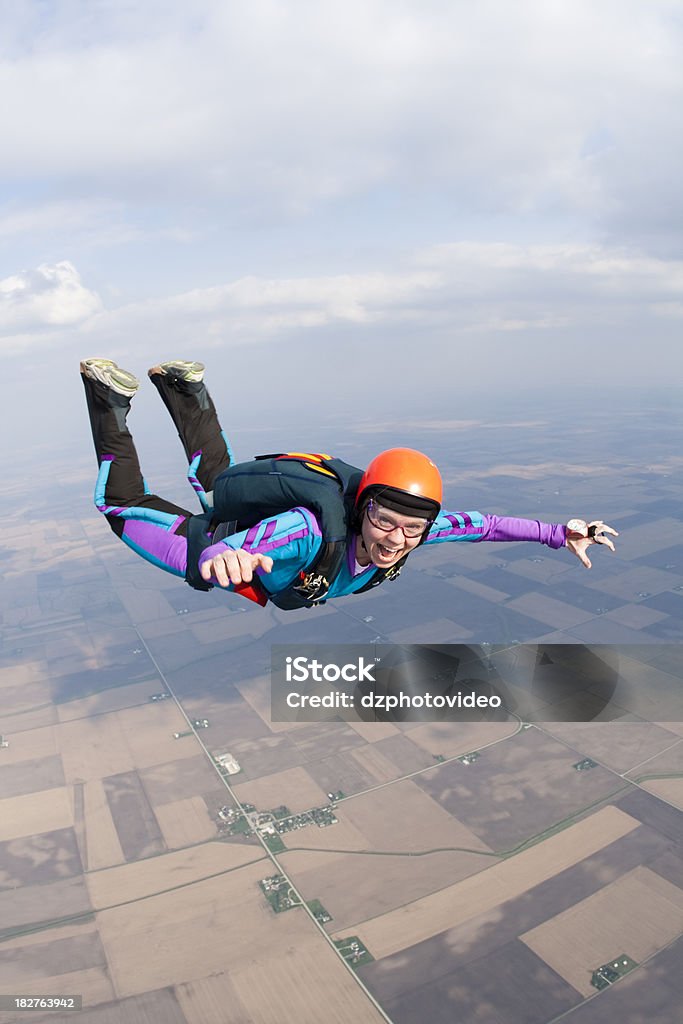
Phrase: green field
(353,951)
(274,843)
(279,893)
(240,825)
(317,909)
(608,973)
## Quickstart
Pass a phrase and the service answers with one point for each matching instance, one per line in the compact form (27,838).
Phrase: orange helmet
(405,481)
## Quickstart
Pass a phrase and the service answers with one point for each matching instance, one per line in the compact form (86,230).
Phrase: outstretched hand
(598,534)
(234,566)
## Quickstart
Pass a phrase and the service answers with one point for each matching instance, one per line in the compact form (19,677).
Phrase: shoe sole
(182,369)
(112,376)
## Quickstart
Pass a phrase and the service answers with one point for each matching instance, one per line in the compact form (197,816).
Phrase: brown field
(38,938)
(675,727)
(105,745)
(293,787)
(340,771)
(469,556)
(256,692)
(454,738)
(519,788)
(431,632)
(643,541)
(324,740)
(78,802)
(134,819)
(24,685)
(185,822)
(212,1000)
(13,726)
(403,818)
(668,762)
(222,626)
(305,985)
(146,606)
(618,745)
(150,729)
(375,763)
(548,610)
(39,858)
(231,717)
(406,755)
(311,860)
(471,586)
(68,642)
(275,990)
(45,811)
(342,836)
(26,963)
(29,745)
(22,777)
(69,658)
(109,700)
(102,845)
(135,881)
(196,931)
(466,899)
(356,886)
(670,790)
(168,626)
(28,904)
(93,748)
(177,780)
(373,731)
(637,915)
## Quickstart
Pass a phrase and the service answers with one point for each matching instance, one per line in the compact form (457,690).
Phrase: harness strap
(200,534)
(381,575)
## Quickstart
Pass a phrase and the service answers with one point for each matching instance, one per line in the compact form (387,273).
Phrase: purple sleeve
(474,526)
(500,528)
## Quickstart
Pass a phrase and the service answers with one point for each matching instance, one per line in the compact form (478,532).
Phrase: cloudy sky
(390,199)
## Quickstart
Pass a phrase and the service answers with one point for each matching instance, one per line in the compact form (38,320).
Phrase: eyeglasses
(379,518)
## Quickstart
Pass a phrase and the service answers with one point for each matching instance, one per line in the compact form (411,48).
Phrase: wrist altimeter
(578,529)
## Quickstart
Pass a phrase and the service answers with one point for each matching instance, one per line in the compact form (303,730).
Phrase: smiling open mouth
(387,552)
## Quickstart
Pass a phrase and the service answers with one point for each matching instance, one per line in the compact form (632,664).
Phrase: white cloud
(49,296)
(603,270)
(529,107)
(344,200)
(449,292)
(452,297)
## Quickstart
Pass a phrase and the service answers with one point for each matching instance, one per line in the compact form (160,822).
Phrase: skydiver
(397,505)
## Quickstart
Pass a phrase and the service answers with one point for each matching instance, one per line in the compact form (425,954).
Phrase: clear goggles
(384,521)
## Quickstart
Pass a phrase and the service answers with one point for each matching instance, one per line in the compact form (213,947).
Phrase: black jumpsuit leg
(196,421)
(124,487)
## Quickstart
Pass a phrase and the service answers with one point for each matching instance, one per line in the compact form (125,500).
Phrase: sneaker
(181,369)
(108,373)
